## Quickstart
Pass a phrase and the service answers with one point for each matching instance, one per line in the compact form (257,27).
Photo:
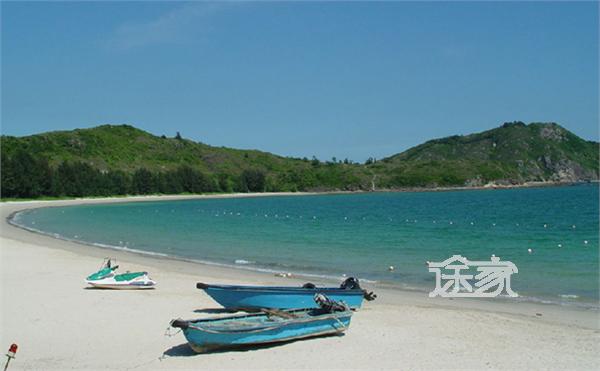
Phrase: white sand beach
(59,324)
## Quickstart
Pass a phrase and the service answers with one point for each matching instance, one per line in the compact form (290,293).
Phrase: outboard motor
(329,305)
(351,283)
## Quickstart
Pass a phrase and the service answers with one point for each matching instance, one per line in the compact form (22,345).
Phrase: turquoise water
(363,234)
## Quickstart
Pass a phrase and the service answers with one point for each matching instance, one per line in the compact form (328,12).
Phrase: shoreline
(166,197)
(299,277)
(380,327)
(257,273)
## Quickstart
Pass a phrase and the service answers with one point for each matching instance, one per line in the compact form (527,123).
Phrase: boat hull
(202,338)
(230,296)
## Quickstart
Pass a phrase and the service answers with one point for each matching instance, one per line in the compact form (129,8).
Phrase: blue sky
(300,79)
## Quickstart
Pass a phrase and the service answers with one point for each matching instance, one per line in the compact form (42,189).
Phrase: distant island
(111,160)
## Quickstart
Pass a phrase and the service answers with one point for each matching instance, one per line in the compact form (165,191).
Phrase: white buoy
(472,223)
(345,218)
(560,245)
(391,268)
(451,222)
(573,226)
(545,225)
(493,224)
(529,251)
(585,242)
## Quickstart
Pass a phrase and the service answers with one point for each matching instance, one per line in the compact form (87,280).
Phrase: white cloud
(179,25)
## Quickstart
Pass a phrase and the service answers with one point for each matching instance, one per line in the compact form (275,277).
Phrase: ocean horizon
(550,234)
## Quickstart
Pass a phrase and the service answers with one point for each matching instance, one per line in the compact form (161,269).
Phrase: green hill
(121,159)
(514,153)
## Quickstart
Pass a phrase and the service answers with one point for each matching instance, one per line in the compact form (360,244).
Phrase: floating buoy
(451,222)
(573,226)
(529,251)
(472,223)
(585,242)
(545,225)
(434,222)
(560,245)
(493,224)
(391,268)
(345,218)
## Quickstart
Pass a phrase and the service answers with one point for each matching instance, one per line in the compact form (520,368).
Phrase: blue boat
(283,297)
(270,326)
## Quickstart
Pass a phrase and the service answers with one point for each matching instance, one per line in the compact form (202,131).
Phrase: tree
(143,182)
(118,182)
(192,180)
(253,180)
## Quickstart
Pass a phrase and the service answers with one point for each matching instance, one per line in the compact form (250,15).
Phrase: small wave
(242,261)
(123,248)
(569,296)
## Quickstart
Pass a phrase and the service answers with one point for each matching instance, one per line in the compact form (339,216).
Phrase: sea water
(550,234)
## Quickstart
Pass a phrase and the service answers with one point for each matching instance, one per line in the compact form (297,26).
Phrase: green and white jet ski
(107,279)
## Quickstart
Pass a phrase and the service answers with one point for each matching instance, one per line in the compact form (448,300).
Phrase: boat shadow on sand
(184,350)
(113,289)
